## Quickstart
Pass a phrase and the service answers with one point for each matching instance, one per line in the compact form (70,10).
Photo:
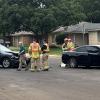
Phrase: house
(52,39)
(94,36)
(83,33)
(27,38)
(55,33)
(22,36)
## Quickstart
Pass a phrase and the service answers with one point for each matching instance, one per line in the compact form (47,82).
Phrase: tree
(91,9)
(43,16)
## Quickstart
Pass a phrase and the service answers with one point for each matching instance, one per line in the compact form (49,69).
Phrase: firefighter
(45,54)
(34,51)
(22,56)
(64,46)
(70,45)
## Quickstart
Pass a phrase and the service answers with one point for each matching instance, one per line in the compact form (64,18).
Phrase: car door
(82,56)
(94,55)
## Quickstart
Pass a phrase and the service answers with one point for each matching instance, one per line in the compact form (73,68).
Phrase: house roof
(60,29)
(83,27)
(22,33)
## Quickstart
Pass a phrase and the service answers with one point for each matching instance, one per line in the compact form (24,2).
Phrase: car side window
(81,49)
(92,49)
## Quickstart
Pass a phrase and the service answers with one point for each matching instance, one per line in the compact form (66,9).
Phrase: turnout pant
(35,63)
(45,61)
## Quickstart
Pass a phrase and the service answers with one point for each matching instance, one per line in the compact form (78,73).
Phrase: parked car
(88,55)
(8,58)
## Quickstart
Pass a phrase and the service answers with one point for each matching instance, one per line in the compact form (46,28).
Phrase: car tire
(6,63)
(72,63)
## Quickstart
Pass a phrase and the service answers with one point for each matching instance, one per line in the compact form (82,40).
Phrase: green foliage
(43,16)
(60,38)
(14,49)
(91,9)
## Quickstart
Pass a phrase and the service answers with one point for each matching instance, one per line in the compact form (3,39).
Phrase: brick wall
(25,39)
(78,38)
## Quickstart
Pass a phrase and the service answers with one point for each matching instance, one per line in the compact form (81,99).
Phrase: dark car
(8,58)
(88,55)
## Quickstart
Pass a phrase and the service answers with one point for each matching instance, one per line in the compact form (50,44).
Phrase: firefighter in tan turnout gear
(45,54)
(34,51)
(70,45)
(64,46)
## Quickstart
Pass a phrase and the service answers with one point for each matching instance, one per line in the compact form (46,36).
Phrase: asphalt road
(56,84)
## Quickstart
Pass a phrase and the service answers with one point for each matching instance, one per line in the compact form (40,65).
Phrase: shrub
(60,38)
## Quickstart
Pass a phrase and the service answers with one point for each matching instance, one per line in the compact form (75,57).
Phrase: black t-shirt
(44,47)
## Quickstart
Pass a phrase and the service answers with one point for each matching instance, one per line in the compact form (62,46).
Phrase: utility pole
(83,31)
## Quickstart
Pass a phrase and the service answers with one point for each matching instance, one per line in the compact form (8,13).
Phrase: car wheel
(73,63)
(6,63)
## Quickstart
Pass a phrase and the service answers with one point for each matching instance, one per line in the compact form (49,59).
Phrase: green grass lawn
(53,51)
(14,48)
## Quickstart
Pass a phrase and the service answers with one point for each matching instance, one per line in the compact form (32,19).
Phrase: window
(92,49)
(98,36)
(81,49)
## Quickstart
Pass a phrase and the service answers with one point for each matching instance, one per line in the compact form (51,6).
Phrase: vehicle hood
(14,53)
(10,53)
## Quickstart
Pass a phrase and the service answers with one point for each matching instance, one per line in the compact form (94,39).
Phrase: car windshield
(3,48)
